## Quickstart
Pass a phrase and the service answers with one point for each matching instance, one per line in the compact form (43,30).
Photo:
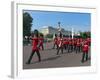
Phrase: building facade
(51,30)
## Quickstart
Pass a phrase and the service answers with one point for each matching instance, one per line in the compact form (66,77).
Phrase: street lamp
(59,28)
(59,24)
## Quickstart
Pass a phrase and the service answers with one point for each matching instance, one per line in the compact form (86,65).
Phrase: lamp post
(72,33)
(59,28)
(59,24)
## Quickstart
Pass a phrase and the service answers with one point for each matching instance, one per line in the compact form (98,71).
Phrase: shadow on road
(48,59)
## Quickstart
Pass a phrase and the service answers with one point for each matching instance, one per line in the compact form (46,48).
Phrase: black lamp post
(59,24)
(59,28)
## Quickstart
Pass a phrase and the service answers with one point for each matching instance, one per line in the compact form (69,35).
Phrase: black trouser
(60,48)
(70,47)
(55,45)
(83,56)
(81,48)
(74,47)
(65,47)
(78,49)
(38,54)
(42,47)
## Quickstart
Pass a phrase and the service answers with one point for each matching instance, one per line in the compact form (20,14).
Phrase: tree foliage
(85,34)
(49,36)
(27,23)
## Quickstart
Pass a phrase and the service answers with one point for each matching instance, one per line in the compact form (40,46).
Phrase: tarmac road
(51,60)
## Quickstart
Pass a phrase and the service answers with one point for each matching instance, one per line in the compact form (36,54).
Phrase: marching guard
(78,46)
(60,43)
(41,40)
(35,47)
(55,42)
(85,52)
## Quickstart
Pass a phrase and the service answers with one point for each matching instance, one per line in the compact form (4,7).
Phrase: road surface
(51,60)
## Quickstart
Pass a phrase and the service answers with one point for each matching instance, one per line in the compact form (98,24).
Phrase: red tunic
(66,42)
(41,41)
(88,41)
(70,42)
(75,43)
(85,48)
(35,44)
(60,42)
(78,44)
(55,40)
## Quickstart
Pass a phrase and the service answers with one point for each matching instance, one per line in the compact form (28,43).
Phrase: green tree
(88,34)
(81,35)
(49,36)
(27,23)
(85,34)
(41,34)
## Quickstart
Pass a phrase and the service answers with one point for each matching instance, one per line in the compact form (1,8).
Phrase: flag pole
(72,33)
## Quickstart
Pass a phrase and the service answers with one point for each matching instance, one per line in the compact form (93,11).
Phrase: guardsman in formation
(64,43)
(41,40)
(70,46)
(78,45)
(89,41)
(55,42)
(73,45)
(75,42)
(85,51)
(60,43)
(35,47)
